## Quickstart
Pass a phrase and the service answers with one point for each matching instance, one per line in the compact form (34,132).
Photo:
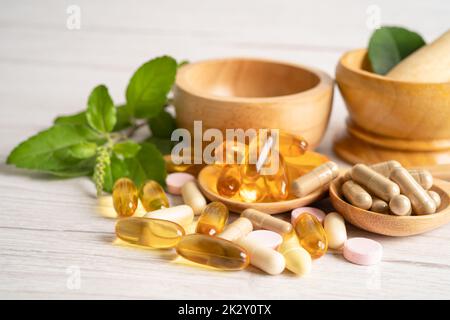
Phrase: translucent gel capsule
(253,191)
(153,197)
(229,180)
(278,183)
(213,252)
(291,146)
(212,219)
(311,235)
(125,197)
(230,152)
(172,166)
(149,232)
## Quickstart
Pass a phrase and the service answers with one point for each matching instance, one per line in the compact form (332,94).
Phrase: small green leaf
(148,88)
(162,125)
(390,45)
(162,144)
(126,149)
(148,164)
(115,170)
(51,150)
(83,150)
(122,115)
(101,113)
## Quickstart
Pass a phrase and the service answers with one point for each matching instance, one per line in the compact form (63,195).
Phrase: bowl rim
(343,62)
(326,82)
(333,190)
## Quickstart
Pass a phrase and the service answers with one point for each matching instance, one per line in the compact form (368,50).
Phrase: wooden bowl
(254,93)
(391,119)
(207,180)
(391,225)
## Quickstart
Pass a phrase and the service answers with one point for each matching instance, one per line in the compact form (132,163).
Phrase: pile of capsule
(389,188)
(275,244)
(240,176)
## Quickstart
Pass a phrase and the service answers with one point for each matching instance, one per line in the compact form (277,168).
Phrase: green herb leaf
(76,118)
(83,150)
(126,149)
(115,170)
(148,88)
(162,125)
(122,115)
(390,45)
(164,145)
(101,113)
(52,151)
(148,164)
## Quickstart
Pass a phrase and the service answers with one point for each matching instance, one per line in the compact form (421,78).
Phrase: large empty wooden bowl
(391,225)
(254,93)
(391,119)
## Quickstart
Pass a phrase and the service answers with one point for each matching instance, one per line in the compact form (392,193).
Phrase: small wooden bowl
(254,93)
(207,180)
(391,119)
(391,225)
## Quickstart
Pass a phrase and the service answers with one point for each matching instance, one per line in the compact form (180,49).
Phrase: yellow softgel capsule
(153,197)
(212,219)
(278,183)
(149,232)
(311,235)
(213,252)
(125,197)
(229,180)
(291,145)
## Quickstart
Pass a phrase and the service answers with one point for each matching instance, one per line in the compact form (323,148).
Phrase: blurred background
(53,52)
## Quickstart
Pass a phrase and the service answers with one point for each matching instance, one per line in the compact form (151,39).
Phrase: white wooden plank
(48,225)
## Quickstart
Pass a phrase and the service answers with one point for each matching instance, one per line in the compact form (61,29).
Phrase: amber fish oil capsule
(229,180)
(152,196)
(125,197)
(212,219)
(315,179)
(148,232)
(311,235)
(356,195)
(261,220)
(213,252)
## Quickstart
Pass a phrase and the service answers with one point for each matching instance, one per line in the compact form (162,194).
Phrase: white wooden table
(50,229)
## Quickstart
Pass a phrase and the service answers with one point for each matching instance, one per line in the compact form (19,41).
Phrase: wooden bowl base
(355,150)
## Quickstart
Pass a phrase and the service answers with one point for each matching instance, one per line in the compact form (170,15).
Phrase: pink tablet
(176,180)
(363,251)
(265,238)
(319,214)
